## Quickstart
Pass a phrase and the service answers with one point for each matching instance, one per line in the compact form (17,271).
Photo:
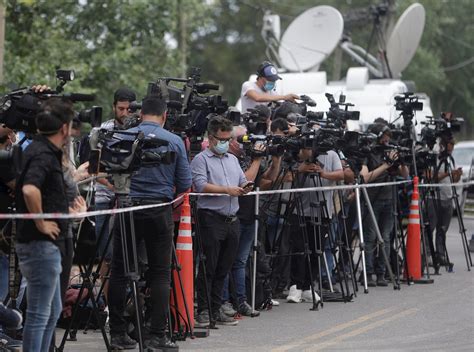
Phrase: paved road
(436,317)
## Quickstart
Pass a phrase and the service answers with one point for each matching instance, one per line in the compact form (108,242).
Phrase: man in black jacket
(40,242)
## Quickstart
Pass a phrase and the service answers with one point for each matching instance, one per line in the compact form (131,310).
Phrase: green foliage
(109,43)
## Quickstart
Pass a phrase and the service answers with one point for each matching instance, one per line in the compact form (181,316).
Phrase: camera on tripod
(407,103)
(443,127)
(188,107)
(338,115)
(124,152)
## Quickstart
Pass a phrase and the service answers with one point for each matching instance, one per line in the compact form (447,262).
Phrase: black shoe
(161,344)
(381,281)
(370,281)
(246,310)
(122,342)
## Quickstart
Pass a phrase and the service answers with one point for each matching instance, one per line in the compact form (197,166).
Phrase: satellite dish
(311,38)
(405,38)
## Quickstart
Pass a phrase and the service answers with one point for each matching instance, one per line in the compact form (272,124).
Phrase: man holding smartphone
(214,170)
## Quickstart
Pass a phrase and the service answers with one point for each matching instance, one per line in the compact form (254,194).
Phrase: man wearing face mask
(262,90)
(377,169)
(214,170)
(41,242)
(153,184)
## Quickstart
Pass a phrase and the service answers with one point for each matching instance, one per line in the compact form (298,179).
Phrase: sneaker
(381,281)
(246,310)
(161,344)
(275,303)
(222,319)
(122,342)
(308,297)
(202,319)
(228,309)
(294,296)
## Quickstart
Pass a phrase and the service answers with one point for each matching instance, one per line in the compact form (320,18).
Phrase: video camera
(188,107)
(336,114)
(124,152)
(274,145)
(443,127)
(18,108)
(407,103)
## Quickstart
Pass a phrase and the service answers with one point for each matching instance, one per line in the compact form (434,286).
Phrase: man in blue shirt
(215,170)
(151,184)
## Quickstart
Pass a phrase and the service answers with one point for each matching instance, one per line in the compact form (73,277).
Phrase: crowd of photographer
(175,140)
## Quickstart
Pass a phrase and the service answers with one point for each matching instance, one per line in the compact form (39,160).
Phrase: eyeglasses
(223,140)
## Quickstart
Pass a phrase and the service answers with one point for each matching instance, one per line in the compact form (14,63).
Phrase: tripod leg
(254,269)
(361,239)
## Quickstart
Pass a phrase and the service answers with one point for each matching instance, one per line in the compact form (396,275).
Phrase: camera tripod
(445,161)
(89,277)
(379,239)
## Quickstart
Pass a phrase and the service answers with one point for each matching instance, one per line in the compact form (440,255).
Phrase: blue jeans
(247,236)
(40,264)
(384,215)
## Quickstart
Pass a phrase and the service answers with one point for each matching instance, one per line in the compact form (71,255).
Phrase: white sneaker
(294,296)
(275,303)
(308,297)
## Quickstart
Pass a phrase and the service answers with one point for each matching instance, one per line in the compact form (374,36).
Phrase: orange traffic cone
(413,248)
(184,256)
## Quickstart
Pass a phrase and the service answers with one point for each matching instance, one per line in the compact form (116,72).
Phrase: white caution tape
(434,185)
(30,216)
(88,213)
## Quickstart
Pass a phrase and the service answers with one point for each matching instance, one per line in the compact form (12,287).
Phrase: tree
(109,43)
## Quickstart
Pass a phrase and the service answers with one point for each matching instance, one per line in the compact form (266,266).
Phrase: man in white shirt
(262,90)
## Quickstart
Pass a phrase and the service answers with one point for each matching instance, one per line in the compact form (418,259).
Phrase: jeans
(156,227)
(3,277)
(383,210)
(220,241)
(40,265)
(102,231)
(247,236)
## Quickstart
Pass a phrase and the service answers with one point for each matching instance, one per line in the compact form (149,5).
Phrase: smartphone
(94,162)
(249,184)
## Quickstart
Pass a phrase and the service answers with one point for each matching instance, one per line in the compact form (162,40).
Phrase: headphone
(379,130)
(262,67)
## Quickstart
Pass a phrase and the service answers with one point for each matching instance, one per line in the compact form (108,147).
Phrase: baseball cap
(269,71)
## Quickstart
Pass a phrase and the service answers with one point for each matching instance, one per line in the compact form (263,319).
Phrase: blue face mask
(269,86)
(221,147)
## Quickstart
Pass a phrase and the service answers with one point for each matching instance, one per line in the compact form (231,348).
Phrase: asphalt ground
(419,317)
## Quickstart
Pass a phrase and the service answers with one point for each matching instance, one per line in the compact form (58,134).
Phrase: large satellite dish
(405,38)
(311,38)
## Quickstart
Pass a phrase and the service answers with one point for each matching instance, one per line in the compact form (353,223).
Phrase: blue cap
(270,72)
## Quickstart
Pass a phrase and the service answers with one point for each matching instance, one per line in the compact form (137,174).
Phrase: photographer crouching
(155,184)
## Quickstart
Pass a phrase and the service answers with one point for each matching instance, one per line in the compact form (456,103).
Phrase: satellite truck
(372,86)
